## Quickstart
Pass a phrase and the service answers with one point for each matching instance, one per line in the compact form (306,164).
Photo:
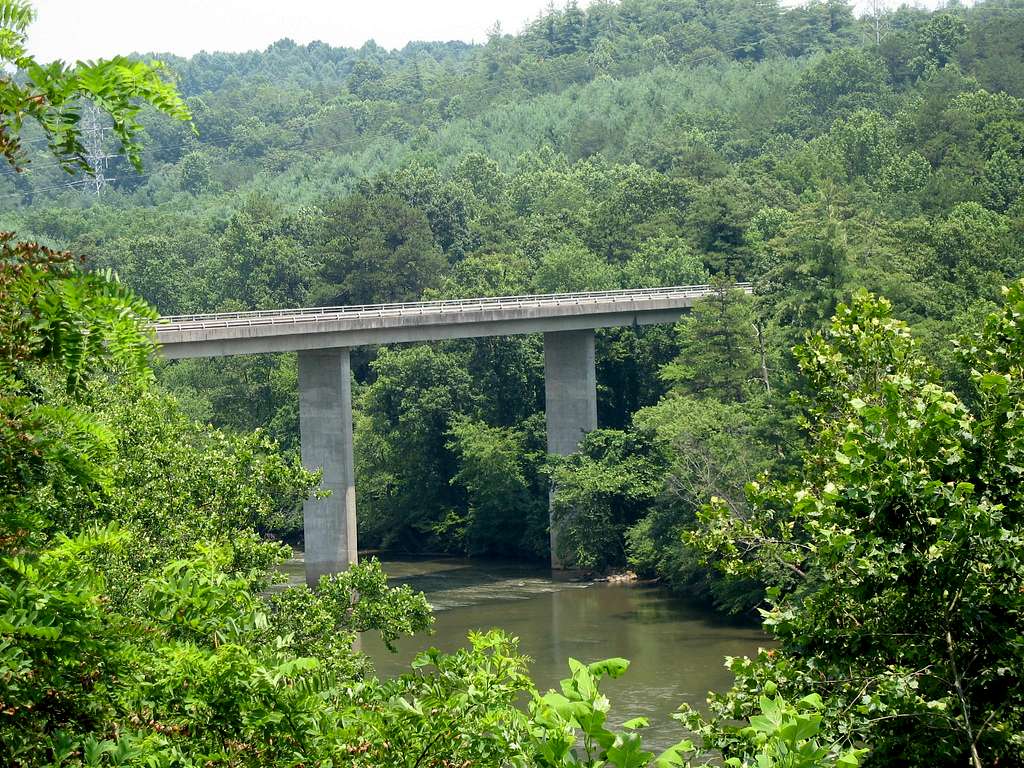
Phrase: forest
(836,455)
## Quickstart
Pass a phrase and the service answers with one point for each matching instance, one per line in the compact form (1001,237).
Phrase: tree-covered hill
(847,463)
(638,143)
(260,113)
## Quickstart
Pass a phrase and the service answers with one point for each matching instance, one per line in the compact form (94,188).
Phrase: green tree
(572,268)
(444,203)
(663,261)
(1004,179)
(806,267)
(938,41)
(976,246)
(600,491)
(404,460)
(718,347)
(113,651)
(381,250)
(709,450)
(838,84)
(195,173)
(499,467)
(898,551)
(718,218)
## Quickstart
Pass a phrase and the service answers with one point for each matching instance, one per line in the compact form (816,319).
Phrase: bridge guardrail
(288,316)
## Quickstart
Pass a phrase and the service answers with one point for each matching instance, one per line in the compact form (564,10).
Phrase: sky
(88,29)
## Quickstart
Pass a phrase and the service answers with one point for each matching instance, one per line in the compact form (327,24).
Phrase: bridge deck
(229,333)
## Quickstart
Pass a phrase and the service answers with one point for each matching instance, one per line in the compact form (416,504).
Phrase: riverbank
(676,648)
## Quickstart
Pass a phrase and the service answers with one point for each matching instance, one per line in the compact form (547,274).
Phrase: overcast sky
(87,29)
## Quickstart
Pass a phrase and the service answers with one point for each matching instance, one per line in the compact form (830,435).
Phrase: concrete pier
(570,395)
(325,428)
(323,335)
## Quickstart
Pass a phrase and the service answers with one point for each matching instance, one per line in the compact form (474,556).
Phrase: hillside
(639,143)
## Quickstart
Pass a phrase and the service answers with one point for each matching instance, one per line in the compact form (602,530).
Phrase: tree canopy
(859,494)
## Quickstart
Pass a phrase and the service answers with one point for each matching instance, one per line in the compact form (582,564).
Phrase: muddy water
(676,649)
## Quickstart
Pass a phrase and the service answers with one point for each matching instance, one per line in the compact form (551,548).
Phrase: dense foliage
(132,626)
(625,144)
(897,587)
(863,492)
(135,626)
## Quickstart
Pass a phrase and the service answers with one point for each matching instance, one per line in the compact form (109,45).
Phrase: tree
(380,250)
(709,450)
(404,459)
(130,619)
(571,268)
(938,41)
(443,202)
(499,467)
(898,578)
(976,246)
(839,83)
(718,347)
(806,267)
(52,95)
(122,637)
(663,261)
(195,173)
(864,143)
(1004,179)
(365,80)
(600,491)
(718,217)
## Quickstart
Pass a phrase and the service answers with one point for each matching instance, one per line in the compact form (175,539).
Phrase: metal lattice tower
(877,11)
(93,132)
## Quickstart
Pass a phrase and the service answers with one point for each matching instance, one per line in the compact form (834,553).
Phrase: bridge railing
(285,316)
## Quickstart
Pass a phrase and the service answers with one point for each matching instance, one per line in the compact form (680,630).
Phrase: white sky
(88,29)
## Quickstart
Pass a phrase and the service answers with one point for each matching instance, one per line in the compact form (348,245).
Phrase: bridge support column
(325,430)
(570,394)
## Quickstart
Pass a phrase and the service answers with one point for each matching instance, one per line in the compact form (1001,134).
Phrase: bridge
(323,336)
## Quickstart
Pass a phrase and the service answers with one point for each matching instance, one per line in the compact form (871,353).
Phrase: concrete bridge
(323,336)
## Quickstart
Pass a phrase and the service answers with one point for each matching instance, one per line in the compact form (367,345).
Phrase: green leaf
(811,701)
(613,668)
(675,756)
(628,752)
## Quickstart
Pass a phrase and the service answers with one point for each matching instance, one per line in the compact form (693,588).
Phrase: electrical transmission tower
(93,132)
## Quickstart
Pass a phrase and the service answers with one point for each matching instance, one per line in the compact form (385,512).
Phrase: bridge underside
(325,426)
(322,337)
(286,340)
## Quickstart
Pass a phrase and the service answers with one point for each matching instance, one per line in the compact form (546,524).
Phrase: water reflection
(676,649)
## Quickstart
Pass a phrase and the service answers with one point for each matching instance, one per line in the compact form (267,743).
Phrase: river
(676,649)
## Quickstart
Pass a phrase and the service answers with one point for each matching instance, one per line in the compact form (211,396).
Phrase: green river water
(676,649)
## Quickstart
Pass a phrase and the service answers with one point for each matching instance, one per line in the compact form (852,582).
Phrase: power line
(489,92)
(67,185)
(92,140)
(223,144)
